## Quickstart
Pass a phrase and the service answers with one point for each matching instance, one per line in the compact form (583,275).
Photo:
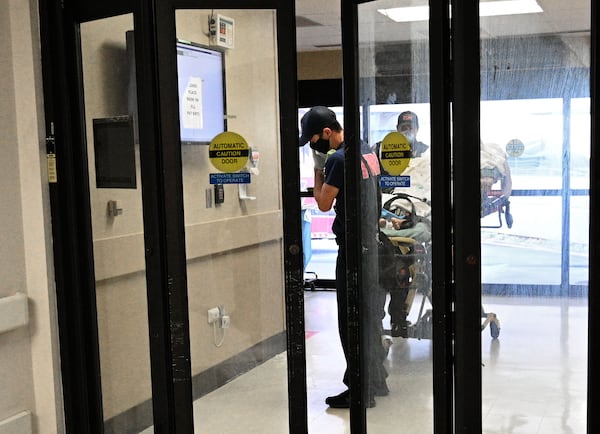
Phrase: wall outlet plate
(213,315)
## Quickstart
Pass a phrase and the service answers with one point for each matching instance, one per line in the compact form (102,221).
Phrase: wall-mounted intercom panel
(222,31)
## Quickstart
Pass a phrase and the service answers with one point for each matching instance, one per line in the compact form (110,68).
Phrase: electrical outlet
(225,321)
(213,315)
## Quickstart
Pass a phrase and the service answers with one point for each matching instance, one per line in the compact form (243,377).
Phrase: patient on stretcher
(420,232)
(405,216)
(405,221)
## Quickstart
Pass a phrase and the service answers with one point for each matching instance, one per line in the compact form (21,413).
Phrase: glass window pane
(535,106)
(394,89)
(117,224)
(234,230)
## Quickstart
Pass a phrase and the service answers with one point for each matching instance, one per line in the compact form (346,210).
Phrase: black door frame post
(354,273)
(164,231)
(440,85)
(593,418)
(466,215)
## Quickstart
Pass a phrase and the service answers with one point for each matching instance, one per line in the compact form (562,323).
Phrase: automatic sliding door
(229,117)
(117,224)
(535,145)
(396,128)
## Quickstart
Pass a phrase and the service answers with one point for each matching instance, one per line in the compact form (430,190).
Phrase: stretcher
(405,272)
(496,184)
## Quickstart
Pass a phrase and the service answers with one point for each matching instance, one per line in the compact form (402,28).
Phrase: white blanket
(492,157)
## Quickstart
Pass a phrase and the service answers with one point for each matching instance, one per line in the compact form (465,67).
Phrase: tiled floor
(534,377)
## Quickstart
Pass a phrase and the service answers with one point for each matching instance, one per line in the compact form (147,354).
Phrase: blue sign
(394,181)
(230,178)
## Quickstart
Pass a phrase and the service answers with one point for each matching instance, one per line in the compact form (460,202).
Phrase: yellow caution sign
(228,152)
(395,153)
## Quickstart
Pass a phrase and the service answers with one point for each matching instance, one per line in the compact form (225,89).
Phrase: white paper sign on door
(192,104)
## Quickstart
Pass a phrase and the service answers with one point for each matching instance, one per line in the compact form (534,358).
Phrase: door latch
(113,209)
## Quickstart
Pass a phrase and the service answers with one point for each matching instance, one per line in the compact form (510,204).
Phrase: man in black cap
(326,137)
(408,124)
(321,128)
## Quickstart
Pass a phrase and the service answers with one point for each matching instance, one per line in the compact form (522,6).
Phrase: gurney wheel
(509,219)
(494,330)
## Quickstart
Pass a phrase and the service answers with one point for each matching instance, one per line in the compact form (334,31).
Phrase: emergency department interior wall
(30,382)
(234,250)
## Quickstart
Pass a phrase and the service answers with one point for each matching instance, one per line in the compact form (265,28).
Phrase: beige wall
(234,250)
(29,363)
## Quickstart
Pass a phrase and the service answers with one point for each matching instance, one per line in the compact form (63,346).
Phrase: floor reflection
(534,377)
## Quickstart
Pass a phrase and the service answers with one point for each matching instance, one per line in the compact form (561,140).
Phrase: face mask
(409,136)
(321,145)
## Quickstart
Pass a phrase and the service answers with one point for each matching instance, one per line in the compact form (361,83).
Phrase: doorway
(175,283)
(166,172)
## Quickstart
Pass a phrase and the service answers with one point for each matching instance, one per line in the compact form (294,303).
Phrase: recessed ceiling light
(486,9)
(406,14)
(509,7)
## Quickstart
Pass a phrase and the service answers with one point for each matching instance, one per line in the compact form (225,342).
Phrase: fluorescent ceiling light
(406,14)
(509,7)
(486,9)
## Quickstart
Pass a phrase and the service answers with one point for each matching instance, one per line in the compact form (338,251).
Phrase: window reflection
(528,252)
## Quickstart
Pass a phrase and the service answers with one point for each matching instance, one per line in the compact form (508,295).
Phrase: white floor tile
(534,377)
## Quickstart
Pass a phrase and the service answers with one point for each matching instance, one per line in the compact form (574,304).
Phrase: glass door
(238,162)
(115,188)
(177,218)
(508,277)
(185,156)
(535,150)
(390,151)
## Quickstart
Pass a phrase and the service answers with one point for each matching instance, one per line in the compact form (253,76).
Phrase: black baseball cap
(408,118)
(314,121)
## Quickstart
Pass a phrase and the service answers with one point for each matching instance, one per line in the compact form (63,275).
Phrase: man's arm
(324,193)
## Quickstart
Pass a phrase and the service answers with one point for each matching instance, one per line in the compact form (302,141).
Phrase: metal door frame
(163,221)
(593,419)
(454,79)
(466,210)
(71,220)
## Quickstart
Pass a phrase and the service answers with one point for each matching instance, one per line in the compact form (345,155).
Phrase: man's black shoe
(339,401)
(400,330)
(381,390)
(343,400)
